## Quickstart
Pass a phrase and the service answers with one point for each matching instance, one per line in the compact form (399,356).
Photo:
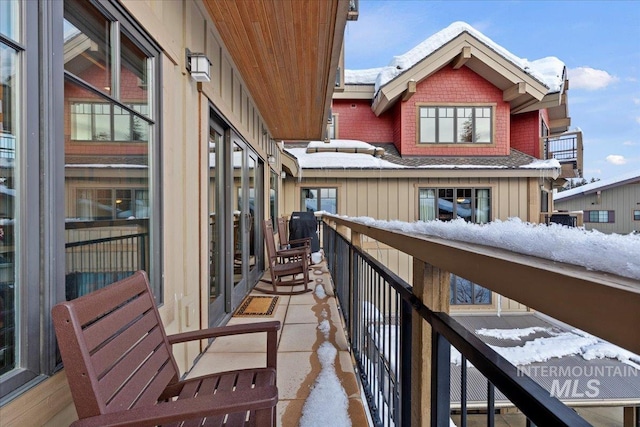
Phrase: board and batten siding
(623,200)
(397,199)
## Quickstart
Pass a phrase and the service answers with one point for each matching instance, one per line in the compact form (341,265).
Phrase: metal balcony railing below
(566,147)
(94,262)
(379,310)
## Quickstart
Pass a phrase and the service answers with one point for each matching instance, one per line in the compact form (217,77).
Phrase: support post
(431,286)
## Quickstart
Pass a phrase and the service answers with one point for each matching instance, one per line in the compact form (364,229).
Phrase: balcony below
(567,148)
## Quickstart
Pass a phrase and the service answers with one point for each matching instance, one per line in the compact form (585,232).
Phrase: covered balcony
(567,148)
(396,343)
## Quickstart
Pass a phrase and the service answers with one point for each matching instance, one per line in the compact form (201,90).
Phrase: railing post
(440,384)
(354,292)
(431,286)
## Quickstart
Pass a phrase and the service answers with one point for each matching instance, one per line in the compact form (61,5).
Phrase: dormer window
(464,124)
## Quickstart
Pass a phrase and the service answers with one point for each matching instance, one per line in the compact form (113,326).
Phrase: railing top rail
(596,302)
(81,224)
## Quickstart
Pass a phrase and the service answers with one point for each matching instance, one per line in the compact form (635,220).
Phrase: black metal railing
(564,148)
(93,261)
(97,253)
(380,309)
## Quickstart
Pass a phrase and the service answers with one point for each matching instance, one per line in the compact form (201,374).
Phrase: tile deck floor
(298,342)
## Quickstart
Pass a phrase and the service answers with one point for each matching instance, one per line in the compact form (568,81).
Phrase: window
(14,337)
(465,292)
(636,215)
(450,125)
(445,204)
(111,94)
(319,199)
(110,70)
(96,204)
(105,122)
(599,216)
(332,132)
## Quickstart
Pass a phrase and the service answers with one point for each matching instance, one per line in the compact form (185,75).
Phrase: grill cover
(304,224)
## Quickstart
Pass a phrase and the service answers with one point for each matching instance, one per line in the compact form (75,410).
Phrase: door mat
(257,306)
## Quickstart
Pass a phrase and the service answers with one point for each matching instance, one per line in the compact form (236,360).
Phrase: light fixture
(198,66)
(271,159)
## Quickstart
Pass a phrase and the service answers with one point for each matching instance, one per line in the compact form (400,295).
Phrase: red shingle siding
(525,133)
(357,121)
(461,86)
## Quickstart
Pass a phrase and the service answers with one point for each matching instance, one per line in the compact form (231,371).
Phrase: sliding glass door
(235,214)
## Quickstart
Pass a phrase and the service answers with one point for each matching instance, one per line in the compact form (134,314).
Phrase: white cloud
(616,159)
(638,119)
(630,143)
(636,101)
(589,78)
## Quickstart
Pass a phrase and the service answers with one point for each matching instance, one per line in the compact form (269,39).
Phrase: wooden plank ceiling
(287,52)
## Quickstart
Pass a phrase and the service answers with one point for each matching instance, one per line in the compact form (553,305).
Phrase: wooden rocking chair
(285,263)
(286,243)
(121,369)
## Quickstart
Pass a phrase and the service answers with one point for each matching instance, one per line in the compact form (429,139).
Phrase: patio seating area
(298,341)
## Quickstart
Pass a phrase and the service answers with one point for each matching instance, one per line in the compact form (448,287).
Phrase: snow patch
(511,334)
(320,293)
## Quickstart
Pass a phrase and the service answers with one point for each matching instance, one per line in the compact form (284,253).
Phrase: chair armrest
(293,252)
(185,409)
(305,240)
(247,328)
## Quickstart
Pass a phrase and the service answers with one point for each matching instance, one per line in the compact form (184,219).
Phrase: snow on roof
(342,143)
(334,160)
(338,159)
(543,164)
(547,70)
(557,345)
(587,188)
(618,254)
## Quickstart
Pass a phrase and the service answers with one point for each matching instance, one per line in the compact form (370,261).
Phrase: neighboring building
(117,153)
(610,205)
(457,127)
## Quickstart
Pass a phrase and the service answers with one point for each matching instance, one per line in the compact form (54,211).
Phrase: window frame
(112,124)
(455,106)
(332,127)
(474,198)
(600,216)
(453,286)
(636,214)
(303,205)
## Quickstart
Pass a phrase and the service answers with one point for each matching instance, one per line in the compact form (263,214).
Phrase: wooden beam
(593,301)
(462,58)
(409,91)
(514,91)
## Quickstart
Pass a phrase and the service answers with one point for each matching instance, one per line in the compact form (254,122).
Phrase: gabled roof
(526,85)
(601,185)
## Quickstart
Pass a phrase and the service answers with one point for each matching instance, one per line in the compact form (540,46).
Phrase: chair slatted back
(270,242)
(282,232)
(114,348)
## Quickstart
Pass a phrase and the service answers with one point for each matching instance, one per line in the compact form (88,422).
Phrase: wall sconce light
(198,66)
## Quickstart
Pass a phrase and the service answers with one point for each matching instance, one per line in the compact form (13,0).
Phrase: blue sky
(599,41)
